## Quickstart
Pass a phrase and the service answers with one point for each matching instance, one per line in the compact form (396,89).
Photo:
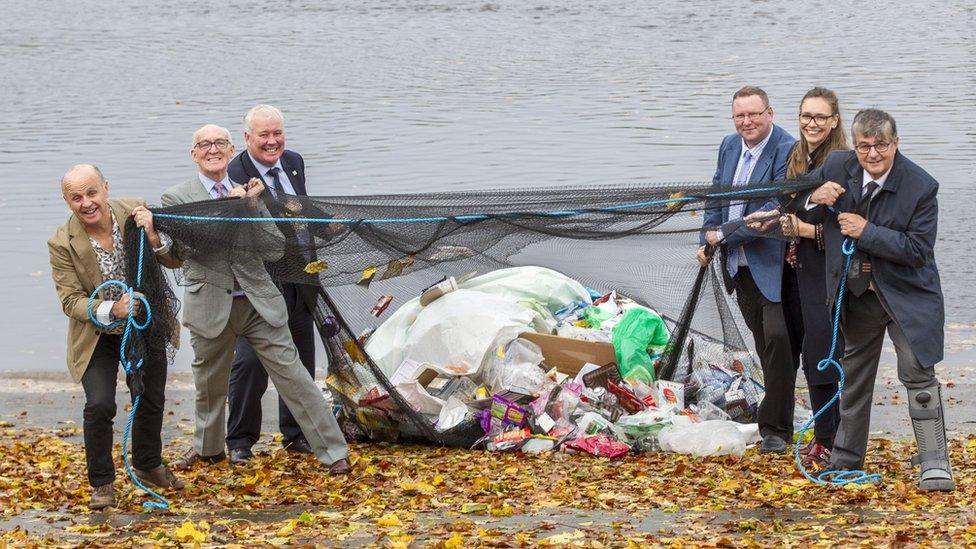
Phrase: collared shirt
(209,184)
(880,181)
(269,180)
(736,208)
(112,266)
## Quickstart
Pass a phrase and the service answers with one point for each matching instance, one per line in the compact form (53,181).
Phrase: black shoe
(772,444)
(298,446)
(240,456)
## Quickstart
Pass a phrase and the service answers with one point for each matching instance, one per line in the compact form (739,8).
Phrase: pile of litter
(528,359)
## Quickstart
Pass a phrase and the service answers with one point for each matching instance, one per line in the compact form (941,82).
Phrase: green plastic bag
(595,316)
(638,330)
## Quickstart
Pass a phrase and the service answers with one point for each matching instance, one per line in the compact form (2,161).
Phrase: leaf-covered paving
(417,496)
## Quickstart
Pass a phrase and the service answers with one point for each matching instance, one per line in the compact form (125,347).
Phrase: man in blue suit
(887,205)
(283,173)
(752,265)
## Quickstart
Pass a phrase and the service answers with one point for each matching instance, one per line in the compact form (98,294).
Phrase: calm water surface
(397,96)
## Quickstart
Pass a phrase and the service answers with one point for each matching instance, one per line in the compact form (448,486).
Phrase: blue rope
(130,324)
(832,477)
(466,217)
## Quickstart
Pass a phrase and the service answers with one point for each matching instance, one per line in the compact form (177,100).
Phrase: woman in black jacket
(804,286)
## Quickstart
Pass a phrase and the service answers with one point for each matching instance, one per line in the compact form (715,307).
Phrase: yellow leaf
(479,483)
(367,276)
(438,480)
(676,201)
(389,519)
(562,539)
(454,542)
(503,511)
(316,266)
(468,508)
(417,487)
(189,532)
(288,528)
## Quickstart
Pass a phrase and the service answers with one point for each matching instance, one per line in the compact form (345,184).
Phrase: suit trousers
(766,321)
(99,382)
(276,351)
(864,321)
(249,379)
(825,426)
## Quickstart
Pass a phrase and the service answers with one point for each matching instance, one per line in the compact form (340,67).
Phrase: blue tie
(736,209)
(279,190)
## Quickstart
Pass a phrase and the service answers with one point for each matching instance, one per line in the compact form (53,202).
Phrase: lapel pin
(294,172)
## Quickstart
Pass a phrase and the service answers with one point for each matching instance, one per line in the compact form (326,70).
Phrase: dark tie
(279,190)
(859,275)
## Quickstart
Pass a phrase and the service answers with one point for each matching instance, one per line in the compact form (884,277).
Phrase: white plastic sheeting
(461,328)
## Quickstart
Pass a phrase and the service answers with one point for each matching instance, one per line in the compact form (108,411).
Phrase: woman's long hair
(836,140)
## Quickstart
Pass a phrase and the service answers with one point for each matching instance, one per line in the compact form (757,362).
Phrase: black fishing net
(361,258)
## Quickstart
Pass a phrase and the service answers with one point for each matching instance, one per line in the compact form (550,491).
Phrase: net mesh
(350,254)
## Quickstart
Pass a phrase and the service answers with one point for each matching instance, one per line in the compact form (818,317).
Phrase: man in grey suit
(227,297)
(886,204)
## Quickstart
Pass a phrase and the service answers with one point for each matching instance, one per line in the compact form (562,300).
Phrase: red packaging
(625,398)
(599,445)
(381,304)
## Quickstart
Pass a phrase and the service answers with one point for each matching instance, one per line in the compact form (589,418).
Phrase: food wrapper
(599,445)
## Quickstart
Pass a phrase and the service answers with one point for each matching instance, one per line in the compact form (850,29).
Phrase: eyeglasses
(865,148)
(221,144)
(820,119)
(740,118)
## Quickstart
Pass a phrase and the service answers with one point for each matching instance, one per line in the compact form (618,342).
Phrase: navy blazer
(900,239)
(765,255)
(241,169)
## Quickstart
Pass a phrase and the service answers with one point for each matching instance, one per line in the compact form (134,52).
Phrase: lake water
(397,96)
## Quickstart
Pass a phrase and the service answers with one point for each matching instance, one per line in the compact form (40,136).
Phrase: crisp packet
(507,411)
(599,445)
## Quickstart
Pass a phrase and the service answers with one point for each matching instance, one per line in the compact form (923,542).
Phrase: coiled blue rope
(832,477)
(130,324)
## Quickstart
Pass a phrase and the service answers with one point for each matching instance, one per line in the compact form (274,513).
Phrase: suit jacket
(209,280)
(765,255)
(899,238)
(76,275)
(241,169)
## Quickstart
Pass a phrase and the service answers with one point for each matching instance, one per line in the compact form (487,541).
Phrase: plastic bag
(638,329)
(599,445)
(516,368)
(452,414)
(708,438)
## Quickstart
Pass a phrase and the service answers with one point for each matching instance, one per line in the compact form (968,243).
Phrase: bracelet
(818,236)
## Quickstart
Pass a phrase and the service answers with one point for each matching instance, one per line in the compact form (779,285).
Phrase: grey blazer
(209,281)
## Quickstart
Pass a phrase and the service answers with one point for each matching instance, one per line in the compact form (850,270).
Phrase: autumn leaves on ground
(414,496)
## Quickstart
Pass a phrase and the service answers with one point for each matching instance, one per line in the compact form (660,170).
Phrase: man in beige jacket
(84,252)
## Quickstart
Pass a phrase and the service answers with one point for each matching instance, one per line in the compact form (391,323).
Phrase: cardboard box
(568,355)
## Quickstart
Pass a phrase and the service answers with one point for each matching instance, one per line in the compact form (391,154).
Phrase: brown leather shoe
(160,477)
(102,496)
(340,467)
(191,456)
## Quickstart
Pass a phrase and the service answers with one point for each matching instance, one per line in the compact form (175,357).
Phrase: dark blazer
(899,238)
(241,169)
(765,255)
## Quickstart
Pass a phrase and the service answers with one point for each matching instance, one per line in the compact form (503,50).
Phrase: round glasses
(221,144)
